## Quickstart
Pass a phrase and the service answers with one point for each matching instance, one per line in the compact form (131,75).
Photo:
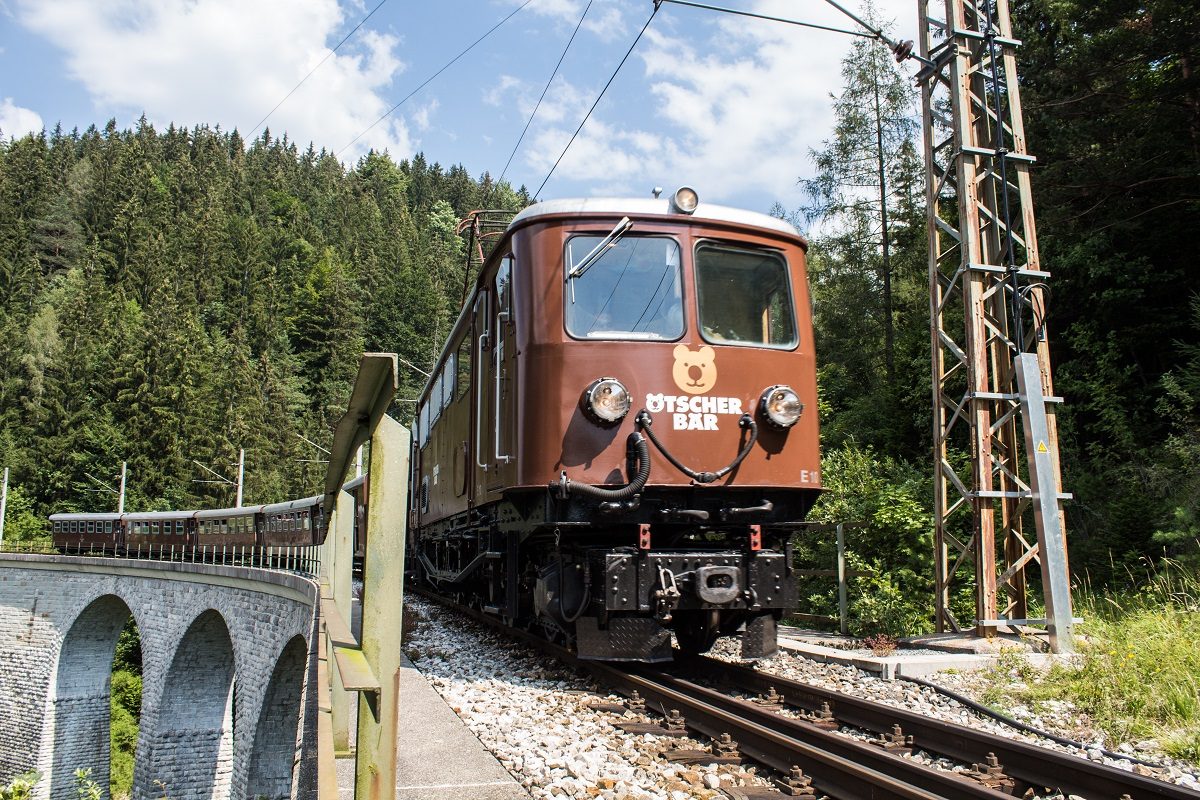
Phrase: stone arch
(79,704)
(189,755)
(274,756)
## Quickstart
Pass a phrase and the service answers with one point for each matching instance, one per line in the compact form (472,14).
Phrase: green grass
(1139,674)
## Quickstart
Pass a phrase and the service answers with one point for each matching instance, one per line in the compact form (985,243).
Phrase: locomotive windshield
(744,297)
(631,291)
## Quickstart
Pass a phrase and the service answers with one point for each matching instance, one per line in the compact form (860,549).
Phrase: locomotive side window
(449,373)
(435,399)
(744,296)
(463,380)
(633,290)
(423,426)
(504,289)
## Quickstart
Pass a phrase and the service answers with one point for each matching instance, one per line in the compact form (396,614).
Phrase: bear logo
(695,372)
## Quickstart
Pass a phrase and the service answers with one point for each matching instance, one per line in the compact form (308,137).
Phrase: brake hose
(565,486)
(644,420)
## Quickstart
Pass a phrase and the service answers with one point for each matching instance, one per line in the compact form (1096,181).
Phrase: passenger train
(293,523)
(617,441)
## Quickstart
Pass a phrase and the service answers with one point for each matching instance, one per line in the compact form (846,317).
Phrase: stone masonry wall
(59,619)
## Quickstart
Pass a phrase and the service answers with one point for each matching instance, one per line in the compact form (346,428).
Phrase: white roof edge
(643,206)
(287,505)
(73,515)
(238,511)
(159,514)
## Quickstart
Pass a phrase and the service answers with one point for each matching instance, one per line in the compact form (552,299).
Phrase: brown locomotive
(621,430)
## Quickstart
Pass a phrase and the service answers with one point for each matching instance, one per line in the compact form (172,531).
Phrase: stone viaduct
(229,675)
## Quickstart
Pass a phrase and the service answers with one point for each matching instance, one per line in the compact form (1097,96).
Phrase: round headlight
(781,406)
(606,400)
(685,199)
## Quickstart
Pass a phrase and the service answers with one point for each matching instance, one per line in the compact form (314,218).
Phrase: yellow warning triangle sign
(1041,448)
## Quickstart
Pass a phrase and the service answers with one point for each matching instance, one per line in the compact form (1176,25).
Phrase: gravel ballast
(536,716)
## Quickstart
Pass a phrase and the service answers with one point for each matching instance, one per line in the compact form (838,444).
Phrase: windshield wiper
(608,241)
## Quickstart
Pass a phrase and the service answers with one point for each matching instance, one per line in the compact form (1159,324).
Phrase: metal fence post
(843,600)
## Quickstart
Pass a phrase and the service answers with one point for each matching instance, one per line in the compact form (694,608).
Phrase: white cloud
(15,121)
(735,114)
(604,19)
(421,116)
(228,61)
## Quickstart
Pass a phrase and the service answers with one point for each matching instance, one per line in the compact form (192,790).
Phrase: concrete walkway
(439,758)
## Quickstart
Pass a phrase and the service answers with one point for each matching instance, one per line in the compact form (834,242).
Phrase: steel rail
(838,765)
(1034,766)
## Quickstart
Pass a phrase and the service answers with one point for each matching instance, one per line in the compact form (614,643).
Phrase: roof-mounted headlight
(781,406)
(685,199)
(606,400)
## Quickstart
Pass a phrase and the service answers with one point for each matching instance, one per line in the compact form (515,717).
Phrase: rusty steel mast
(995,437)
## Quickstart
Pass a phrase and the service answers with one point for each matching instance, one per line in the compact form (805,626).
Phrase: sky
(727,104)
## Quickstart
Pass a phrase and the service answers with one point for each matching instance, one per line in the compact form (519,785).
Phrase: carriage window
(91,527)
(744,296)
(108,526)
(463,362)
(633,290)
(179,527)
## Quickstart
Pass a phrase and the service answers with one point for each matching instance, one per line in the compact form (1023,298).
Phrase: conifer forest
(168,296)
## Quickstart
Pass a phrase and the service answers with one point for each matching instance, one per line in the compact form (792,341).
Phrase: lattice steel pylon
(991,361)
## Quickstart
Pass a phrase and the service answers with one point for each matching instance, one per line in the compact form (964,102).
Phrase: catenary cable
(429,80)
(361,22)
(538,105)
(600,97)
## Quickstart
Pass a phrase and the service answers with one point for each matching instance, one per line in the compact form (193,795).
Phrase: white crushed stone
(535,718)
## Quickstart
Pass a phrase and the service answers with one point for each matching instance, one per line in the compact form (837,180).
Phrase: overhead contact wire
(600,97)
(361,22)
(553,74)
(429,80)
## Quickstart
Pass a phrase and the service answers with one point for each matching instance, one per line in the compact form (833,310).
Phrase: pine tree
(866,259)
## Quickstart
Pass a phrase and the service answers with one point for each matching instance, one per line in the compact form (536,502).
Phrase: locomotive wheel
(696,631)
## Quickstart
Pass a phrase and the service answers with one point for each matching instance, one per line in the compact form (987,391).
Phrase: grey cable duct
(1021,726)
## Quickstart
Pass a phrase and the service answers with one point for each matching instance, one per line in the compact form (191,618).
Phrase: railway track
(1029,765)
(813,759)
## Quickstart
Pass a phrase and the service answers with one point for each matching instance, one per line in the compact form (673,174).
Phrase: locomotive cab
(622,429)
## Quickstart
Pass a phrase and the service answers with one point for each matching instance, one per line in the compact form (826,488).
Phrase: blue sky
(727,104)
